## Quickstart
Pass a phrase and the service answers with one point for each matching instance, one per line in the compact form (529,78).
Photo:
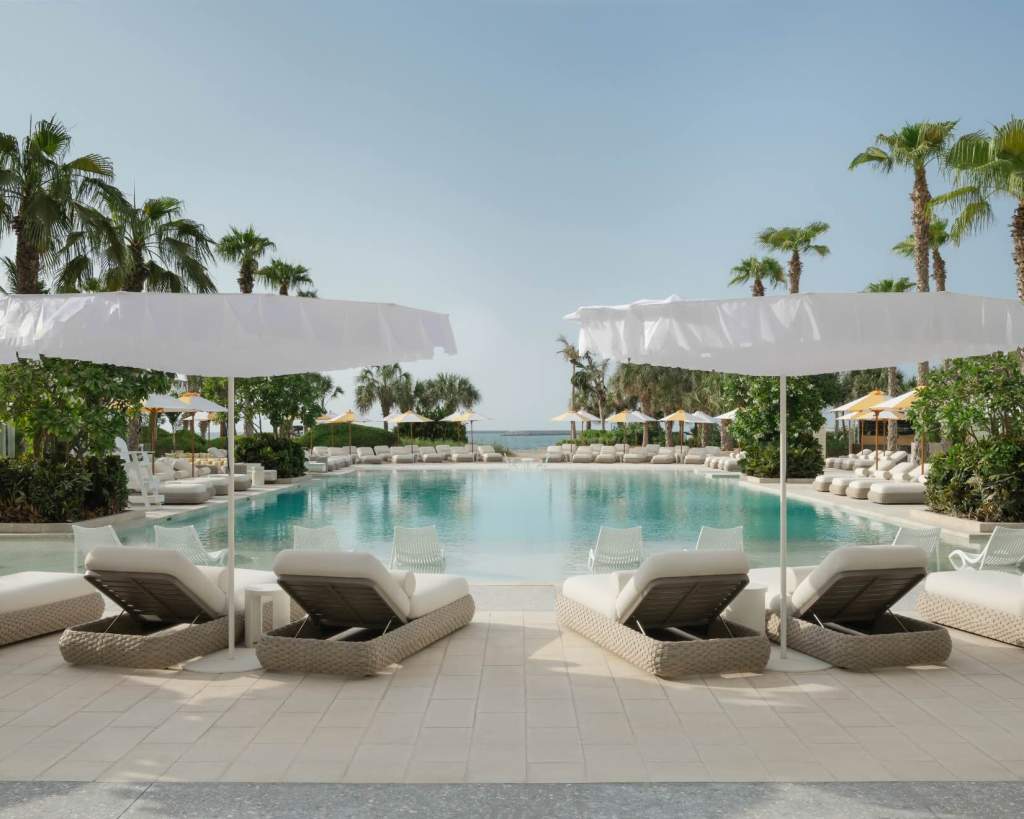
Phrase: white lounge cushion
(25,590)
(999,591)
(851,559)
(893,492)
(142,559)
(434,591)
(318,563)
(769,578)
(598,592)
(243,579)
(676,564)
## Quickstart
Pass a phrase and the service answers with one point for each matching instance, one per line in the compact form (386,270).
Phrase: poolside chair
(429,455)
(617,548)
(665,455)
(88,537)
(908,487)
(382,451)
(366,455)
(361,617)
(554,455)
(463,455)
(173,610)
(928,538)
(445,451)
(607,455)
(37,603)
(637,455)
(711,539)
(185,539)
(1004,550)
(321,537)
(488,454)
(840,610)
(582,455)
(417,548)
(695,456)
(988,603)
(401,455)
(665,617)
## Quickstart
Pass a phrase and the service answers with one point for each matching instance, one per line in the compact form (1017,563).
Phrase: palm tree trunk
(757,288)
(920,197)
(795,268)
(1017,231)
(283,289)
(939,271)
(27,263)
(891,428)
(246,277)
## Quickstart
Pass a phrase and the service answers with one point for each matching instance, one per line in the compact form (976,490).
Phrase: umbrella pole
(783,445)
(231,516)
(193,444)
(152,438)
(350,435)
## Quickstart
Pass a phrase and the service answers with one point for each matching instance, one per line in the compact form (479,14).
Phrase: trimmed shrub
(61,491)
(980,480)
(803,458)
(283,454)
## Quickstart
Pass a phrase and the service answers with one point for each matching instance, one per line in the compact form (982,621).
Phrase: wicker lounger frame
(35,621)
(959,614)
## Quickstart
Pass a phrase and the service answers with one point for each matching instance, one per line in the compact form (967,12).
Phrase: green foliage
(321,435)
(274,452)
(284,398)
(61,491)
(836,444)
(980,480)
(757,273)
(803,458)
(66,408)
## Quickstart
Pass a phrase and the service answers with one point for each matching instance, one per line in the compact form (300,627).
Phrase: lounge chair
(860,487)
(928,538)
(608,455)
(617,548)
(383,452)
(185,539)
(173,610)
(362,617)
(665,456)
(463,455)
(1004,550)
(402,455)
(665,617)
(321,537)
(445,451)
(37,603)
(840,610)
(840,483)
(554,455)
(366,455)
(316,467)
(910,489)
(822,483)
(989,603)
(488,454)
(583,455)
(637,455)
(417,548)
(429,455)
(711,539)
(695,456)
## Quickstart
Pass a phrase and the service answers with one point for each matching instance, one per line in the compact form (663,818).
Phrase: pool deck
(512,698)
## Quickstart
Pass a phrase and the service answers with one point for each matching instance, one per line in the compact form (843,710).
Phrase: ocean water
(521,441)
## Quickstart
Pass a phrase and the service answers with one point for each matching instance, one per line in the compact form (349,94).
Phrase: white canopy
(465,417)
(158,402)
(199,404)
(699,417)
(801,334)
(727,416)
(629,417)
(576,415)
(222,334)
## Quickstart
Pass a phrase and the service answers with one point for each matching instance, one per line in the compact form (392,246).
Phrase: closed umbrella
(800,334)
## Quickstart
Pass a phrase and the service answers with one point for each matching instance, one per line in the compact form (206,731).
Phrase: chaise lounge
(37,603)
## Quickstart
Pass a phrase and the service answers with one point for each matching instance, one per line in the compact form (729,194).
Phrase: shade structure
(900,403)
(466,417)
(727,416)
(699,417)
(407,417)
(221,334)
(197,404)
(154,404)
(348,417)
(800,334)
(575,416)
(866,401)
(673,417)
(629,417)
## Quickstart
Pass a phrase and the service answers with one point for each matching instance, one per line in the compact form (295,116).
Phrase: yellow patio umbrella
(680,416)
(857,405)
(348,417)
(407,417)
(900,404)
(629,417)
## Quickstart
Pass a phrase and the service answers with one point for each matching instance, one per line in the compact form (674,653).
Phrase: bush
(803,459)
(980,480)
(322,435)
(283,454)
(62,491)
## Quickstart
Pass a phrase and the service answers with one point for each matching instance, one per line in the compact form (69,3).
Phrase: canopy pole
(231,516)
(783,446)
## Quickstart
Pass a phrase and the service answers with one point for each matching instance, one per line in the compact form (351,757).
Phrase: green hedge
(980,480)
(62,491)
(803,458)
(283,454)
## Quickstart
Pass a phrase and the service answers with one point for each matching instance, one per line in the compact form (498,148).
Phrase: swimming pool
(528,523)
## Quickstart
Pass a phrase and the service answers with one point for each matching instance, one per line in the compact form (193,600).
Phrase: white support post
(783,445)
(231,517)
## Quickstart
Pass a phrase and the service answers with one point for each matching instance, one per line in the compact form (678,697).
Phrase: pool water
(531,523)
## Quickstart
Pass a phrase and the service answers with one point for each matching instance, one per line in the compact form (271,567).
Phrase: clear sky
(506,162)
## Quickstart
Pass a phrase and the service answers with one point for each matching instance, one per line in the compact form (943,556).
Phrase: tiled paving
(511,698)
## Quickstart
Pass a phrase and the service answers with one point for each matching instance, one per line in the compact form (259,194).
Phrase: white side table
(256,474)
(747,609)
(255,596)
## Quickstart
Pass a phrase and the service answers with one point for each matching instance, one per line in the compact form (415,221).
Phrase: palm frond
(873,156)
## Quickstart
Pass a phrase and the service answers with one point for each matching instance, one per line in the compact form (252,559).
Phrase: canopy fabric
(467,417)
(576,415)
(727,416)
(679,415)
(629,417)
(864,402)
(221,334)
(347,417)
(157,402)
(197,403)
(801,334)
(900,402)
(699,417)
(408,418)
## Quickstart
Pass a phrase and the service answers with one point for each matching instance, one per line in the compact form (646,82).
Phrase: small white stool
(256,474)
(747,609)
(255,596)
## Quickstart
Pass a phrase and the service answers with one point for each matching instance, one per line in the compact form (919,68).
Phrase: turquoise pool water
(521,524)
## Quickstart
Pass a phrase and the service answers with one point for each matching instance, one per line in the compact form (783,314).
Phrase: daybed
(35,603)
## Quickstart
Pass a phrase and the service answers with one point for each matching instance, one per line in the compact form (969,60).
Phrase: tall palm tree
(756,272)
(915,146)
(246,247)
(45,197)
(387,385)
(454,390)
(988,166)
(938,237)
(795,241)
(900,285)
(286,276)
(153,247)
(597,384)
(567,350)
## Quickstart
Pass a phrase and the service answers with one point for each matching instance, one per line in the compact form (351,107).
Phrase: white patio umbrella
(466,417)
(579,416)
(801,334)
(234,335)
(198,404)
(154,404)
(408,417)
(727,416)
(703,419)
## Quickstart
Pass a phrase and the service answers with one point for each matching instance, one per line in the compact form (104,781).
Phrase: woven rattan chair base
(303,648)
(920,644)
(996,625)
(719,653)
(37,620)
(123,643)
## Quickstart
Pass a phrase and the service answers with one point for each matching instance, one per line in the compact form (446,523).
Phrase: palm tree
(597,384)
(900,285)
(285,276)
(45,198)
(387,385)
(795,241)
(938,237)
(454,391)
(756,272)
(246,247)
(986,167)
(567,350)
(915,146)
(153,247)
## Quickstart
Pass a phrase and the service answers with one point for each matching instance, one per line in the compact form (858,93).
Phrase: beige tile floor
(511,698)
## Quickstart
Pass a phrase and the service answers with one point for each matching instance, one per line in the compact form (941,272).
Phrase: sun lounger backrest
(154,585)
(858,584)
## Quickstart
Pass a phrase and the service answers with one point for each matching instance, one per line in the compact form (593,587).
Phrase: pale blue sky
(508,161)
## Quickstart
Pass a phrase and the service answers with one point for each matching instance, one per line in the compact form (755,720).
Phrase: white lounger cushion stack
(26,590)
(999,591)
(616,595)
(410,595)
